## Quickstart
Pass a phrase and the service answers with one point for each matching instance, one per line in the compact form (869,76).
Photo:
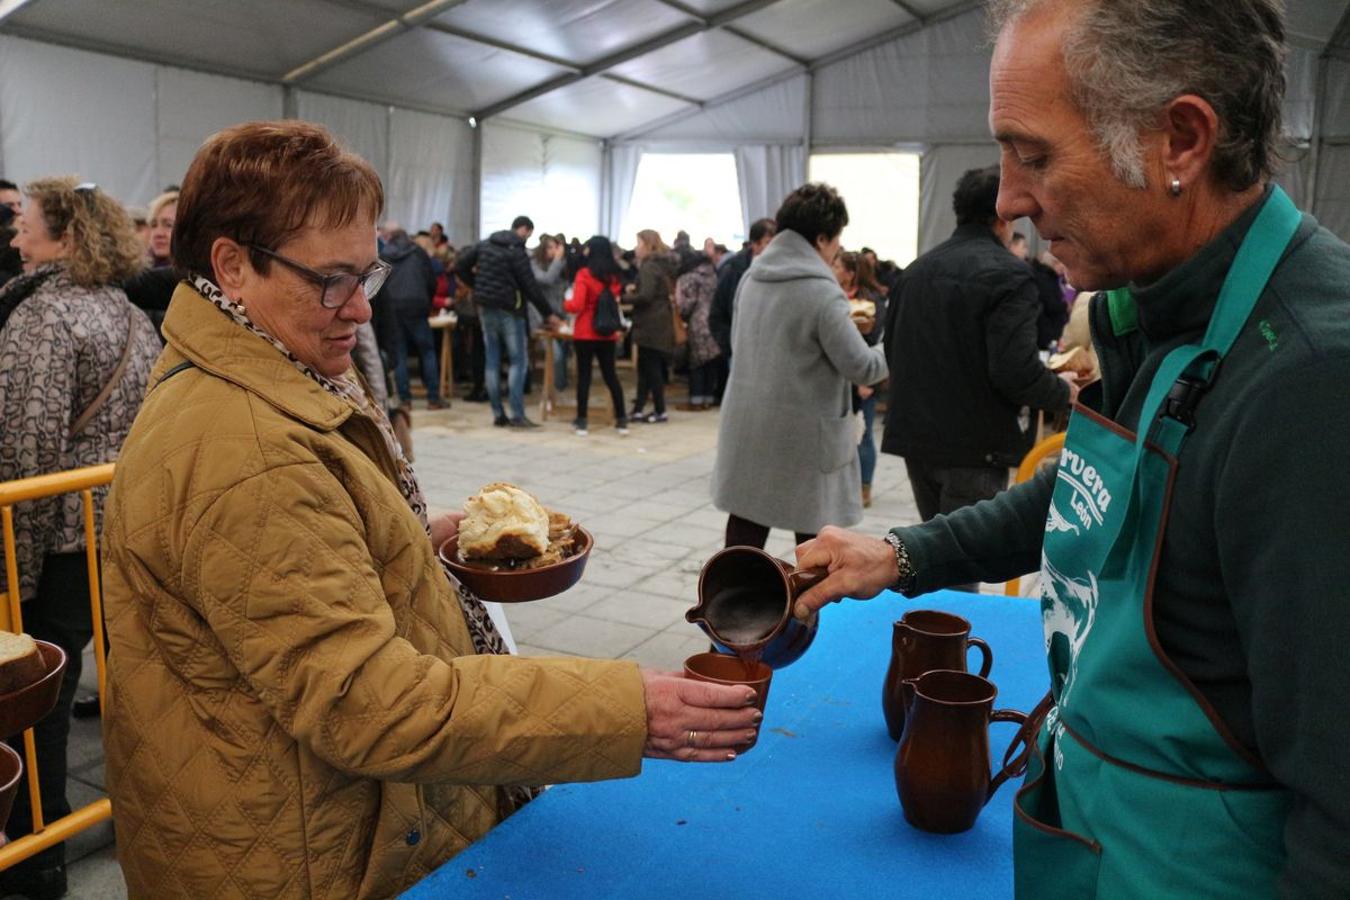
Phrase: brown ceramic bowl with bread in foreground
(28,685)
(506,585)
(511,549)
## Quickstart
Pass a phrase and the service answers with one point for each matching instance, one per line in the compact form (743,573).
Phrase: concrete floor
(644,497)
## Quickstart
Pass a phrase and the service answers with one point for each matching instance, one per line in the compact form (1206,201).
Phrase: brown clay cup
(720,668)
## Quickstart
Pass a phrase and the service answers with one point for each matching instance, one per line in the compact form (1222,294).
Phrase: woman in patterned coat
(694,289)
(74,358)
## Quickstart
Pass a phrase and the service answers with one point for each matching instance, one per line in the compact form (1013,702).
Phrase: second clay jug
(942,765)
(923,640)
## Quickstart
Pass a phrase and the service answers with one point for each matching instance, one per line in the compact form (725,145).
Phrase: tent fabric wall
(621,165)
(192,106)
(430,173)
(362,127)
(930,86)
(555,180)
(69,112)
(767,174)
(940,168)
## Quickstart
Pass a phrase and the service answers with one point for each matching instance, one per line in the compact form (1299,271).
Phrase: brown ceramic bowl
(22,708)
(11,777)
(520,585)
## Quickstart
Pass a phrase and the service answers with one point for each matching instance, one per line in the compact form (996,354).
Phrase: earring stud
(1175,189)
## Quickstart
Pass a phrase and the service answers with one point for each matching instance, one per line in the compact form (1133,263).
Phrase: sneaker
(621,426)
(579,426)
(522,423)
(656,418)
(636,415)
(500,422)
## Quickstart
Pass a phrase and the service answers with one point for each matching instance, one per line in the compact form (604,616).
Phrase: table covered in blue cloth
(811,811)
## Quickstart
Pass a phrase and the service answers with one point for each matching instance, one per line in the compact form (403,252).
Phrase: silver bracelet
(904,568)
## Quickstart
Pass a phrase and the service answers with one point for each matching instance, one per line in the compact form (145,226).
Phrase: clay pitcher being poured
(745,599)
(923,640)
(942,765)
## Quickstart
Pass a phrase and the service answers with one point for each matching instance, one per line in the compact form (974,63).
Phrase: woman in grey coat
(547,263)
(787,449)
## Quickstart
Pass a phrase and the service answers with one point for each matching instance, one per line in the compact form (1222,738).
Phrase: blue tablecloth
(811,811)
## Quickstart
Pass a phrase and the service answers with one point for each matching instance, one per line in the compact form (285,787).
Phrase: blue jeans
(501,327)
(414,327)
(867,450)
(561,351)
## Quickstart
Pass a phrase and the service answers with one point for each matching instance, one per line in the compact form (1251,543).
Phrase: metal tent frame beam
(885,37)
(394,25)
(604,64)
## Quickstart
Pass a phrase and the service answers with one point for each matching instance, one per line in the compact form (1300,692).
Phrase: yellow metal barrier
(1051,445)
(46,834)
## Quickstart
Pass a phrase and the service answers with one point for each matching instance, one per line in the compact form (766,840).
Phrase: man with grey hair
(1191,540)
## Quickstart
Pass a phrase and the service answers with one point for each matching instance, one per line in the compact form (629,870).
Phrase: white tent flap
(430,173)
(362,127)
(192,106)
(767,174)
(68,112)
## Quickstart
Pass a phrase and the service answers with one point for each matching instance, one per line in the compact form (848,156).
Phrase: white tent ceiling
(629,75)
(593,67)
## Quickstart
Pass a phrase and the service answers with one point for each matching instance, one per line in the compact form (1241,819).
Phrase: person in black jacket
(406,303)
(961,340)
(729,276)
(499,272)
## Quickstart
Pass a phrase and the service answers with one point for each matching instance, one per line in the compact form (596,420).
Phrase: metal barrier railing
(1051,445)
(47,834)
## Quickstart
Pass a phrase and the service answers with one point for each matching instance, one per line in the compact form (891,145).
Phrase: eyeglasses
(337,289)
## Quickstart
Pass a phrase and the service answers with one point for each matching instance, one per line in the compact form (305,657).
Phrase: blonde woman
(74,359)
(653,328)
(163,213)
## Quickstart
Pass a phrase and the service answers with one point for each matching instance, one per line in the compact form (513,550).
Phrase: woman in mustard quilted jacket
(300,703)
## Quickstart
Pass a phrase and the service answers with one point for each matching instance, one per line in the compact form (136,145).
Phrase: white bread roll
(20,662)
(502,521)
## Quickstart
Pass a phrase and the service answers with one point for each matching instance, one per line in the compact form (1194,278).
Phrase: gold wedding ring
(689,741)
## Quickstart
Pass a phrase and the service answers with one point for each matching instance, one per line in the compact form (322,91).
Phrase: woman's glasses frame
(336,289)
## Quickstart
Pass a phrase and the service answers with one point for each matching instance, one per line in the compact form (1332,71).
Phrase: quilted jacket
(294,707)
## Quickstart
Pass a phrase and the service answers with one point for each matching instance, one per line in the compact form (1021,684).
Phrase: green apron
(1133,790)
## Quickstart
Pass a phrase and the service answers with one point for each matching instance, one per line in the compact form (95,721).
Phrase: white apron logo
(1068,611)
(1089,499)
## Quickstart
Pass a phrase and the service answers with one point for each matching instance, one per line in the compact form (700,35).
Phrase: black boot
(86,708)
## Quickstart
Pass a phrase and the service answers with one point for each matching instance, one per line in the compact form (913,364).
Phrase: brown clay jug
(745,599)
(923,640)
(942,765)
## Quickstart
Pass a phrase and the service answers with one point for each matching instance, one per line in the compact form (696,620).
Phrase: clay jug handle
(1011,766)
(802,580)
(986,652)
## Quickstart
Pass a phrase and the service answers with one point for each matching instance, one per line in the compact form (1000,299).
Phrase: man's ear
(231,266)
(1189,133)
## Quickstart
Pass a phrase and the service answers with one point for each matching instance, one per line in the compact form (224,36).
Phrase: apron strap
(1186,372)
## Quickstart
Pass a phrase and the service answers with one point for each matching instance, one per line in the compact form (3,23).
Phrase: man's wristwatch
(904,569)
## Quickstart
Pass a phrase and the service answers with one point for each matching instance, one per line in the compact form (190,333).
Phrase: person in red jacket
(599,273)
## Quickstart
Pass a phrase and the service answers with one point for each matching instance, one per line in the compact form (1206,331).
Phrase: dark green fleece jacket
(1252,600)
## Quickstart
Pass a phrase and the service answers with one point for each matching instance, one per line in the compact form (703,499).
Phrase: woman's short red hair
(262,183)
